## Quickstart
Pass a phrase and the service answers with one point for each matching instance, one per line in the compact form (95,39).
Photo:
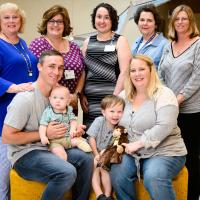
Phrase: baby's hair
(111,100)
(60,87)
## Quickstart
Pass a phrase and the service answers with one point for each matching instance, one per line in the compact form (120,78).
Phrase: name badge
(109,48)
(69,74)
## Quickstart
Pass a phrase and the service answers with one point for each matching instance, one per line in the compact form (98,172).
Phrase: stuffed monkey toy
(113,153)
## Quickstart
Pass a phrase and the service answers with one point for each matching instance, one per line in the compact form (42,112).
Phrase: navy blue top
(13,69)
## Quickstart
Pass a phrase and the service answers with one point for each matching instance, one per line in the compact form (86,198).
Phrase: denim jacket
(153,49)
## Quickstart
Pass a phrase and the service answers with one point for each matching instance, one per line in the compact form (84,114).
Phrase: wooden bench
(22,189)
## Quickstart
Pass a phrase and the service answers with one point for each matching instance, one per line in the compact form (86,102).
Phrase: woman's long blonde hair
(154,84)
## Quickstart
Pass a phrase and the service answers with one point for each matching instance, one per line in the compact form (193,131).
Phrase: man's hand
(56,130)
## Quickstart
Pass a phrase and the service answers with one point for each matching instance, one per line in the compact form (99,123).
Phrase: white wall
(79,11)
(82,20)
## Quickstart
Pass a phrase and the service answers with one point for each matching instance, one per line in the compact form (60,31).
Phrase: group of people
(152,90)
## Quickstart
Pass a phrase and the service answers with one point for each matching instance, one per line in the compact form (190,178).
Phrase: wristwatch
(78,94)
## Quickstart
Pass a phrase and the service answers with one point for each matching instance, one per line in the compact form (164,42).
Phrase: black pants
(190,130)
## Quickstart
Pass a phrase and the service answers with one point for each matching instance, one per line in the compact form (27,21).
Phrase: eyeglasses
(53,22)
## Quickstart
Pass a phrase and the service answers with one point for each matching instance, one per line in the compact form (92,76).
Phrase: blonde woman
(18,67)
(180,70)
(155,148)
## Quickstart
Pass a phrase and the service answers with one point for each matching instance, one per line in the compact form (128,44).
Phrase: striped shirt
(102,70)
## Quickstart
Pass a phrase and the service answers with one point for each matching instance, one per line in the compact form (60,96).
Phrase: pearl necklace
(24,55)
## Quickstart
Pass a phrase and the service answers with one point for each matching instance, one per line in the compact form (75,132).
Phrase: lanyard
(147,42)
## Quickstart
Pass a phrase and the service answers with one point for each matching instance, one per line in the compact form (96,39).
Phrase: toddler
(100,136)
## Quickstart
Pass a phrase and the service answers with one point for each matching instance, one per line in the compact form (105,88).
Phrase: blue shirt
(152,49)
(13,70)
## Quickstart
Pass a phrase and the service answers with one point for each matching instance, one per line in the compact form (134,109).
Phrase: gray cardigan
(155,123)
(182,75)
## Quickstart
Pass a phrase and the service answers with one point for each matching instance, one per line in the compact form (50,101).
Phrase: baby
(60,111)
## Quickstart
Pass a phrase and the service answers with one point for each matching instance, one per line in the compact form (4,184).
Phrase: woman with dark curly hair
(54,27)
(152,41)
(107,56)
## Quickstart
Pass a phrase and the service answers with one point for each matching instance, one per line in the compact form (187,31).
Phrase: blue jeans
(59,175)
(157,173)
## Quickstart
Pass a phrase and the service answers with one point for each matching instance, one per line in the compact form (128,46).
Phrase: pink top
(73,60)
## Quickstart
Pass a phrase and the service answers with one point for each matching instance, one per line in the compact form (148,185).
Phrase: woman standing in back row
(107,56)
(180,70)
(152,41)
(54,27)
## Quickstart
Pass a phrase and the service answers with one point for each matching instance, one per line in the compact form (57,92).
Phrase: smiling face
(103,22)
(113,114)
(182,23)
(59,99)
(140,74)
(146,23)
(55,26)
(51,70)
(10,22)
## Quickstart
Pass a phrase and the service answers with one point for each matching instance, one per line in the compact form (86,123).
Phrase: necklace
(24,55)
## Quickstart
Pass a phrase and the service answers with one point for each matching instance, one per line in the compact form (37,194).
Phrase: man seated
(28,156)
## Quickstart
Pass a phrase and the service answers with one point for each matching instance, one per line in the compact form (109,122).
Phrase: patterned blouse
(73,60)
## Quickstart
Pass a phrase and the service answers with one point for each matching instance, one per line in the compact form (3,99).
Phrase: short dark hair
(48,53)
(152,9)
(52,12)
(112,14)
